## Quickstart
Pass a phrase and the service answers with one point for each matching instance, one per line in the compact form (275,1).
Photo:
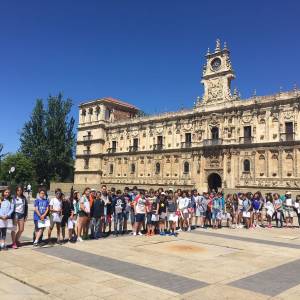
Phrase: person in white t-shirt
(182,205)
(55,214)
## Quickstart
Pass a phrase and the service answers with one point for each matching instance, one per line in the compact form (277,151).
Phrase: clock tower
(217,76)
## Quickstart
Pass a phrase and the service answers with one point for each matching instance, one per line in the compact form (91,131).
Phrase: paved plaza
(204,264)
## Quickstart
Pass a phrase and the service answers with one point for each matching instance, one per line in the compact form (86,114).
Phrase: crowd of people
(98,213)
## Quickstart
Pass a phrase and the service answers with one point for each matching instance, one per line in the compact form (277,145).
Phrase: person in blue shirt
(6,211)
(41,209)
(216,210)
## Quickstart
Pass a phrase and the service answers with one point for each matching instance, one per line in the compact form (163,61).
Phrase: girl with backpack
(20,216)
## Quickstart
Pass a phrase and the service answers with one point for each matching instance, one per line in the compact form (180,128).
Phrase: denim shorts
(19,216)
(140,218)
(215,213)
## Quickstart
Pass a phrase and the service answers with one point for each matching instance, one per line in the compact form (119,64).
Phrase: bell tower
(217,76)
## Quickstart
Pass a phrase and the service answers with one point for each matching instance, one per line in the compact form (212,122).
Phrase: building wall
(267,158)
(274,162)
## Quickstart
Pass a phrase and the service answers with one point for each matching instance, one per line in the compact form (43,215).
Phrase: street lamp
(10,172)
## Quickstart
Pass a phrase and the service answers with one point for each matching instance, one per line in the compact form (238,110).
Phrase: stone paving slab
(272,281)
(164,280)
(248,239)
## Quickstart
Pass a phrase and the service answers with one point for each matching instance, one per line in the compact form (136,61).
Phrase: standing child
(119,206)
(41,209)
(67,218)
(55,214)
(97,215)
(270,210)
(256,206)
(6,211)
(172,216)
(83,215)
(162,212)
(297,208)
(21,210)
(278,210)
(289,209)
(246,210)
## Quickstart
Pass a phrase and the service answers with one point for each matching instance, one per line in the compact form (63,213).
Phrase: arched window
(246,165)
(186,167)
(157,168)
(132,168)
(111,168)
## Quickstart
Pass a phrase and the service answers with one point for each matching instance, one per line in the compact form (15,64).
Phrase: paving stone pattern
(272,281)
(247,239)
(164,280)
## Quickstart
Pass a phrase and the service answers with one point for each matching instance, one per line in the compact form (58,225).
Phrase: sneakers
(189,229)
(35,245)
(134,234)
(79,239)
(140,233)
(179,230)
(14,246)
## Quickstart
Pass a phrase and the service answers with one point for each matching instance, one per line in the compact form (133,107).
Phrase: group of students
(92,214)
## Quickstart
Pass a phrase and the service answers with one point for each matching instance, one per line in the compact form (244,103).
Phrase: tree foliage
(48,139)
(24,169)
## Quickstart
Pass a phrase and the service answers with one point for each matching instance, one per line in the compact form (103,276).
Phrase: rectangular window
(159,140)
(114,144)
(135,143)
(86,163)
(289,131)
(188,137)
(247,132)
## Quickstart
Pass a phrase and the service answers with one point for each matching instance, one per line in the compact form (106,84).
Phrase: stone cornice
(94,141)
(264,145)
(88,172)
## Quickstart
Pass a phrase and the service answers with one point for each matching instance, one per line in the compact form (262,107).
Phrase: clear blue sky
(149,53)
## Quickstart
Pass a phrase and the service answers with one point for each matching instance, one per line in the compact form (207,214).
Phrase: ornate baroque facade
(223,141)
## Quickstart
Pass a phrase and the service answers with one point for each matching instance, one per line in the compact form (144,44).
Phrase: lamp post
(10,172)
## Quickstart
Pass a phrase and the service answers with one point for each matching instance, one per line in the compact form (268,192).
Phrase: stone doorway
(214,182)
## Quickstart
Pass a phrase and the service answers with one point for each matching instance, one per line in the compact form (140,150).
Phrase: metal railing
(86,152)
(186,145)
(285,137)
(246,139)
(112,150)
(158,147)
(88,137)
(212,142)
(133,148)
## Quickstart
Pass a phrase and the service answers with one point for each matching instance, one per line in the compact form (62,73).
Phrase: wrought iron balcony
(133,148)
(87,152)
(158,147)
(112,150)
(285,137)
(246,140)
(186,145)
(212,142)
(88,137)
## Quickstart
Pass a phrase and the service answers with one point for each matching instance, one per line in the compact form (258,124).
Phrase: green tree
(48,139)
(24,169)
(60,137)
(34,142)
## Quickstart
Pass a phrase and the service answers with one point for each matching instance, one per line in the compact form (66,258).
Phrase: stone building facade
(222,142)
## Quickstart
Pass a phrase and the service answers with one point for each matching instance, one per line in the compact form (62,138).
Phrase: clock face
(216,64)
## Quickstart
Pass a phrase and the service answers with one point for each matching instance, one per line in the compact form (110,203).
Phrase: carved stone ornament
(247,118)
(288,115)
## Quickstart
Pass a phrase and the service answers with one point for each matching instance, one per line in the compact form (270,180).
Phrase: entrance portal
(214,182)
